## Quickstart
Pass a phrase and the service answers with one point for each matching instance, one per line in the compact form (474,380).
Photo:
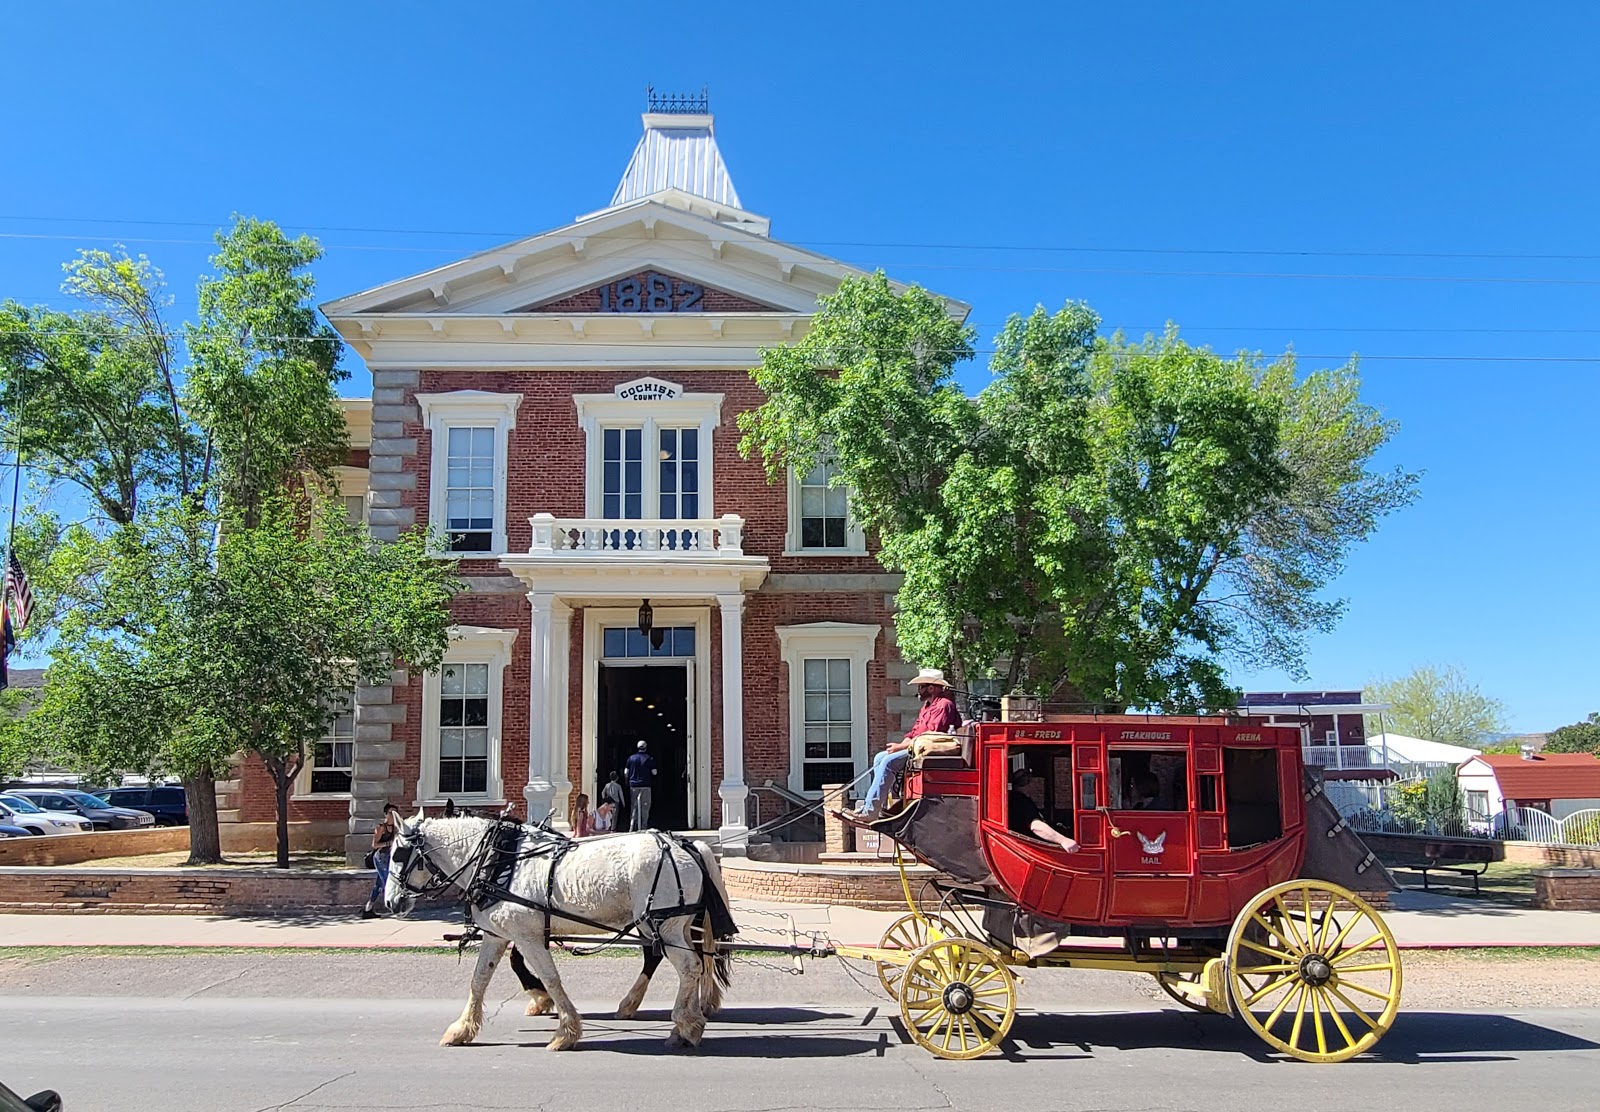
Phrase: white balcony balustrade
(608,538)
(1342,757)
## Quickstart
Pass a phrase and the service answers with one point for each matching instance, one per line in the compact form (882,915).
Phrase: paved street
(247,1033)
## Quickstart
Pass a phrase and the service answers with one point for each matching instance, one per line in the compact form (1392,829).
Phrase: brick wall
(70,849)
(876,888)
(1569,857)
(182,891)
(546,456)
(1567,889)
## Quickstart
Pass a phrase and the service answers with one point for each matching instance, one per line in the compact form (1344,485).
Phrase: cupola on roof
(678,152)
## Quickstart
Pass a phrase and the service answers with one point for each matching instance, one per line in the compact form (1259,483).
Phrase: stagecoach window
(1250,782)
(464,728)
(1210,796)
(1050,785)
(1087,791)
(1148,780)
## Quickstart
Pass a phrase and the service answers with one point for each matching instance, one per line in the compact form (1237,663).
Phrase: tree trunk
(281,783)
(205,841)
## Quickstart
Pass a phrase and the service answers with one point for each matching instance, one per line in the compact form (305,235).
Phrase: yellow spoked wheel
(957,998)
(909,933)
(1168,983)
(1314,971)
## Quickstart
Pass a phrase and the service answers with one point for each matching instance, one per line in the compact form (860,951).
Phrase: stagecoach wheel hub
(1315,970)
(958,999)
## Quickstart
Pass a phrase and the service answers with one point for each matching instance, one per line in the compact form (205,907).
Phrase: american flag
(17,589)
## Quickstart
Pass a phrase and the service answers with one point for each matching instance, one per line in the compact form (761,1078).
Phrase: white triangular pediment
(614,245)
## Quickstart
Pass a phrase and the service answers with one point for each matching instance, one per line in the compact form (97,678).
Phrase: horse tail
(717,928)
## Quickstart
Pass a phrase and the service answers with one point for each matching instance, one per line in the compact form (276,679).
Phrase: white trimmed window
(331,761)
(467,480)
(462,705)
(827,665)
(649,459)
(819,515)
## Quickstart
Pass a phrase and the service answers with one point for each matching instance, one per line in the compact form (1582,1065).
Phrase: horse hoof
(457,1035)
(538,1005)
(627,1013)
(562,1042)
(675,1041)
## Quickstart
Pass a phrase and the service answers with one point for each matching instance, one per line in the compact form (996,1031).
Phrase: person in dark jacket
(641,778)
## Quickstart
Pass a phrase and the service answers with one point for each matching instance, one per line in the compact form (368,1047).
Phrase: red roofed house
(1558,784)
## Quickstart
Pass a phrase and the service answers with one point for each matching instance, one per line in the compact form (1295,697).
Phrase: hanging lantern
(647,617)
(658,637)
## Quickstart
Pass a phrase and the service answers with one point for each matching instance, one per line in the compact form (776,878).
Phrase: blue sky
(1412,182)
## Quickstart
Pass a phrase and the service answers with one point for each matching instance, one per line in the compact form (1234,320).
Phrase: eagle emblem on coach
(1152,846)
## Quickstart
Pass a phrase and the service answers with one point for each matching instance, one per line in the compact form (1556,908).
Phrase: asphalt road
(249,1034)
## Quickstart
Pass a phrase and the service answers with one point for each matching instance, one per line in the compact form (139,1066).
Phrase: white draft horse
(669,891)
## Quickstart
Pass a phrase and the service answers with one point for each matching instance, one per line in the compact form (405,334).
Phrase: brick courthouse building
(564,409)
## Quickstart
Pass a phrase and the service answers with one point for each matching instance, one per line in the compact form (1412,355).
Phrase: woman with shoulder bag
(378,858)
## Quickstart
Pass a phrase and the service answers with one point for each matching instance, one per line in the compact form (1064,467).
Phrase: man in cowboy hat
(938,716)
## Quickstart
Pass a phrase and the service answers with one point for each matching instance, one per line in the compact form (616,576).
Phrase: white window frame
(855,540)
(597,412)
(302,782)
(468,645)
(353,482)
(832,641)
(468,409)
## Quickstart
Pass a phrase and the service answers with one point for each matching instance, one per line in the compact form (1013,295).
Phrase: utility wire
(934,246)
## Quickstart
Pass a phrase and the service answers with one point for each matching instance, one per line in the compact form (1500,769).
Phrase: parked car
(8,831)
(167,803)
(98,811)
(17,811)
(47,1101)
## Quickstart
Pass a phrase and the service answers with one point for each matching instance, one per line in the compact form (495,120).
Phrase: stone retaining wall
(1567,889)
(183,891)
(868,886)
(1558,857)
(241,837)
(70,849)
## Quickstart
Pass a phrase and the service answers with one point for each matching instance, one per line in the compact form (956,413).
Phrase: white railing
(1342,757)
(1529,824)
(606,537)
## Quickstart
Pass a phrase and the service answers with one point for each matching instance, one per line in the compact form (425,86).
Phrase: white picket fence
(1529,824)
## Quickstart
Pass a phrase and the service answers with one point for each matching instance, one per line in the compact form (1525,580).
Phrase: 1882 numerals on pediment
(651,293)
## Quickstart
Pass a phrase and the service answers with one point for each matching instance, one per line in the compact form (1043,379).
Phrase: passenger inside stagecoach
(1024,817)
(1143,792)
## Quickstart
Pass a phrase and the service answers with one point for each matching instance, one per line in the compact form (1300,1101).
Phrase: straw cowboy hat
(931,676)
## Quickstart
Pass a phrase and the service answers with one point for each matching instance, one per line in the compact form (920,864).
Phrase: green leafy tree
(168,457)
(1580,737)
(303,606)
(1108,519)
(1439,704)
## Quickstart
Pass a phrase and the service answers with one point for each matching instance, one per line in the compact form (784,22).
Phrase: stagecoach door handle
(1115,832)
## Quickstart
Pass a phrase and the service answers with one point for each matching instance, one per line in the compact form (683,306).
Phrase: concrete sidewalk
(1419,921)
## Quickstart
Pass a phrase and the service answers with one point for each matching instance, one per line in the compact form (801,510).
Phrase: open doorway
(647,703)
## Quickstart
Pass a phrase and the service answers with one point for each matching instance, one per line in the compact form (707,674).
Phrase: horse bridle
(402,856)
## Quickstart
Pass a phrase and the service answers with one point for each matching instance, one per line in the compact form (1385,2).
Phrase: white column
(539,792)
(556,709)
(734,834)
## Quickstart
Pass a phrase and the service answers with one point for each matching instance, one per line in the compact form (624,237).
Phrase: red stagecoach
(1206,857)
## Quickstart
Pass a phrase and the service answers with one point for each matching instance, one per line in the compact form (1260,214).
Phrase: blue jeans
(380,861)
(884,768)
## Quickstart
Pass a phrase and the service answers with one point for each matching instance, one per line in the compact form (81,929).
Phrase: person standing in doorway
(616,795)
(641,777)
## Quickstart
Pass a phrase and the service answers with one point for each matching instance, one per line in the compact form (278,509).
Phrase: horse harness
(506,844)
